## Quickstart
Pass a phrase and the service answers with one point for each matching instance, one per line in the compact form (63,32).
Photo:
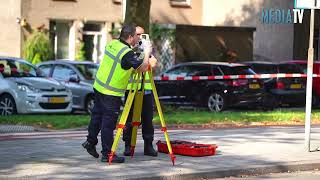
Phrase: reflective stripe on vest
(113,69)
(115,61)
(147,82)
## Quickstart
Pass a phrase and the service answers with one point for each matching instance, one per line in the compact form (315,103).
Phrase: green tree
(80,56)
(138,12)
(37,44)
(159,32)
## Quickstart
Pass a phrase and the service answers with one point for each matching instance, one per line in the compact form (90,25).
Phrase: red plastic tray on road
(187,148)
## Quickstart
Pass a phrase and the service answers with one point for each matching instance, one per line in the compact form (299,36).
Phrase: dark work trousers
(104,116)
(146,120)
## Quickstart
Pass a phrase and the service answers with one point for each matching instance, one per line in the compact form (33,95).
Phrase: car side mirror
(74,79)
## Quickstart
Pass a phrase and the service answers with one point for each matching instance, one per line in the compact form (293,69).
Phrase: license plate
(56,100)
(254,86)
(295,86)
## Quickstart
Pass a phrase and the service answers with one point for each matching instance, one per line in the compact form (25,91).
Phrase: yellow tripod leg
(123,119)
(163,124)
(136,119)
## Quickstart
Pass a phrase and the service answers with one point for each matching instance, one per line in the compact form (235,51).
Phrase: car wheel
(89,104)
(216,102)
(7,105)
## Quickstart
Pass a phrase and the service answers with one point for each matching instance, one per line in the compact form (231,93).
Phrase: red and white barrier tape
(256,76)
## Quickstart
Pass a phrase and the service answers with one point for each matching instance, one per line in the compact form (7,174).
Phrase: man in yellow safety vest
(111,82)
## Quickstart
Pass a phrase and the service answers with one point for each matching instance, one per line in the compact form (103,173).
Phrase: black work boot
(91,149)
(127,149)
(148,149)
(115,159)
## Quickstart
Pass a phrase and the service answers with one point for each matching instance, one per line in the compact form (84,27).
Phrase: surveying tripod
(136,95)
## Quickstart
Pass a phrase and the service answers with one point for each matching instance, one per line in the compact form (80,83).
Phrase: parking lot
(218,86)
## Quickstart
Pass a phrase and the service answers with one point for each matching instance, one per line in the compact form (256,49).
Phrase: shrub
(80,56)
(36,59)
(37,48)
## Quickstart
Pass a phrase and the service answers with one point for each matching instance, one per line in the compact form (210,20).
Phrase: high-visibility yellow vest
(147,82)
(111,79)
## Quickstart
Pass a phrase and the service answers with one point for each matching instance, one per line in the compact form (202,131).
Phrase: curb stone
(4,128)
(250,171)
(16,128)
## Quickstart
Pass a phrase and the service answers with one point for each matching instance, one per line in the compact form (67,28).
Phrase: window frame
(185,3)
(65,0)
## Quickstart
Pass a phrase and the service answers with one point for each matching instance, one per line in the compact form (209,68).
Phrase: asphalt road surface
(300,175)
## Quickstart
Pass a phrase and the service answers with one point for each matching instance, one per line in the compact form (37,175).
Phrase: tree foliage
(37,47)
(159,32)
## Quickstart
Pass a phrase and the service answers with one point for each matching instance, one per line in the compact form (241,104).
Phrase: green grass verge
(172,116)
(61,121)
(205,117)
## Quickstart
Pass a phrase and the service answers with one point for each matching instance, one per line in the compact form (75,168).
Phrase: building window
(117,1)
(94,41)
(185,3)
(66,0)
(59,35)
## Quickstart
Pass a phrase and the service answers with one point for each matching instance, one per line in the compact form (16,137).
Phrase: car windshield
(88,70)
(237,70)
(304,68)
(289,68)
(264,68)
(13,68)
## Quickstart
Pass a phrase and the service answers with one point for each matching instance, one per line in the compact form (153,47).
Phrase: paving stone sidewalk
(241,151)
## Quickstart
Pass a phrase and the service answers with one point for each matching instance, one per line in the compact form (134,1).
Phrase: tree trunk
(138,13)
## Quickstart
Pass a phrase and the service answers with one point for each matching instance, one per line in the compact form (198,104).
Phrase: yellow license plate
(56,100)
(254,86)
(295,86)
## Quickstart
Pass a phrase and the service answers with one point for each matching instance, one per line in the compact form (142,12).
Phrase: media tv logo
(288,16)
(281,16)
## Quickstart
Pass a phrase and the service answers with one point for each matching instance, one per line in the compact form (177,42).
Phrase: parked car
(315,80)
(286,91)
(23,90)
(216,94)
(76,75)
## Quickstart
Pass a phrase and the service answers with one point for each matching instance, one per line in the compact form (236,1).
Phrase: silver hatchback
(78,76)
(24,90)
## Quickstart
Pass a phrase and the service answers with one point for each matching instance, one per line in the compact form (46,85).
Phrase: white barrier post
(309,84)
(312,5)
